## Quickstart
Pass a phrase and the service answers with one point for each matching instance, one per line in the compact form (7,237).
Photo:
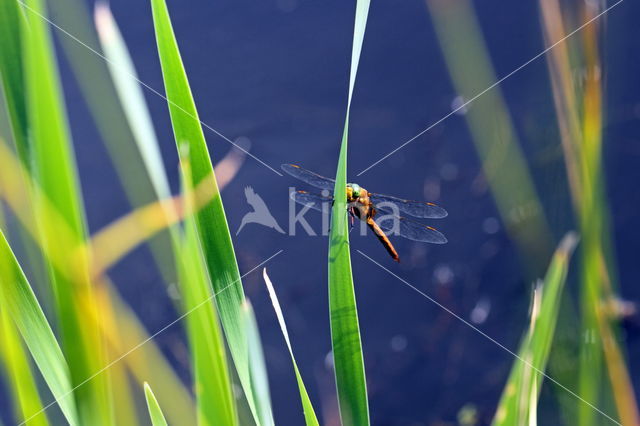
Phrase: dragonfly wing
(412,208)
(396,225)
(314,201)
(311,178)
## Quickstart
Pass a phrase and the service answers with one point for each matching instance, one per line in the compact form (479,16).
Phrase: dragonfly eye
(355,190)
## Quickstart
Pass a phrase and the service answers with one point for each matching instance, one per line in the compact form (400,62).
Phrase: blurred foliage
(576,73)
(519,401)
(576,80)
(503,164)
(90,351)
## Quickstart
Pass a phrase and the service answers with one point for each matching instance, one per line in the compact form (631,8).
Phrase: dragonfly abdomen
(382,237)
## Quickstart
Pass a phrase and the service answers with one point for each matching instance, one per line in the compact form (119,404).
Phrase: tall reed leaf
(92,77)
(131,97)
(212,384)
(213,231)
(17,297)
(157,418)
(345,330)
(519,399)
(53,167)
(151,180)
(15,108)
(11,72)
(309,413)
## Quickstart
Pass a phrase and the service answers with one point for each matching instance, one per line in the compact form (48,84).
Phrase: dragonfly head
(353,190)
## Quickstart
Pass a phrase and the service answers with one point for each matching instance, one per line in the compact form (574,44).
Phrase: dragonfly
(377,210)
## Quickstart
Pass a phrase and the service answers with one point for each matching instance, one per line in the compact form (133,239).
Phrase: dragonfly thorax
(358,202)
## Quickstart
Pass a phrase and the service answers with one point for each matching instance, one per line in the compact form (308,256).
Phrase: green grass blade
(520,395)
(17,297)
(157,418)
(53,167)
(309,413)
(216,404)
(259,377)
(345,330)
(52,153)
(213,231)
(12,73)
(131,97)
(98,90)
(14,125)
(81,47)
(18,368)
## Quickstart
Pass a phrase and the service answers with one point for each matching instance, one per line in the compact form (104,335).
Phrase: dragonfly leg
(352,213)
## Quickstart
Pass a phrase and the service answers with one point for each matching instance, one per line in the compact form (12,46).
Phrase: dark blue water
(276,72)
